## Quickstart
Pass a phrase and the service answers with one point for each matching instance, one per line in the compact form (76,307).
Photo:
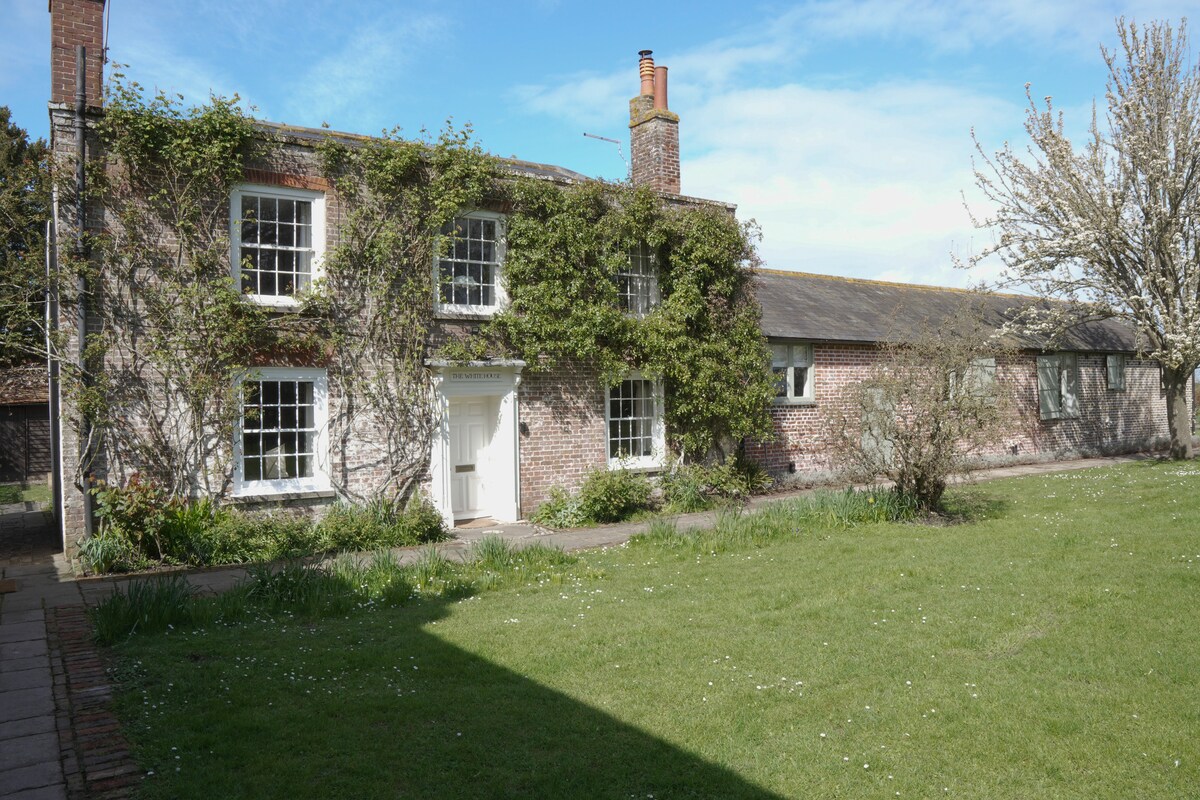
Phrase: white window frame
(1114,371)
(797,354)
(658,429)
(317,199)
(319,480)
(1058,386)
(640,270)
(500,296)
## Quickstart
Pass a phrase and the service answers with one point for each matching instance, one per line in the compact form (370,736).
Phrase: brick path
(59,739)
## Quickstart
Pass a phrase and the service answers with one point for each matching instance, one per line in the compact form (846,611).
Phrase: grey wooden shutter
(1048,387)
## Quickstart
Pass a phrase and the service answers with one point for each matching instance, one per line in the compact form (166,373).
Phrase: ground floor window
(791,365)
(1058,386)
(635,427)
(281,439)
(1115,364)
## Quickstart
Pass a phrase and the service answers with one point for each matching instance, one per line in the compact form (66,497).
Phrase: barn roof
(801,305)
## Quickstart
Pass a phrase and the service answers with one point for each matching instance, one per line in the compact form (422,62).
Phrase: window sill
(635,466)
(798,402)
(257,496)
(473,313)
(281,304)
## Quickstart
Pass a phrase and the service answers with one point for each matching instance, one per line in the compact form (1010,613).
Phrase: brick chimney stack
(74,23)
(653,131)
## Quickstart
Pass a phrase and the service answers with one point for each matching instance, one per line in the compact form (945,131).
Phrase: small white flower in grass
(866,766)
(822,736)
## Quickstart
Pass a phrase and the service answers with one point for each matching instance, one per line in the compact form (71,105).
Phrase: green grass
(13,493)
(1046,649)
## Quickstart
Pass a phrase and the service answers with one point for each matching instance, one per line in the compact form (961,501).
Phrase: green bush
(695,487)
(613,495)
(134,512)
(381,523)
(561,510)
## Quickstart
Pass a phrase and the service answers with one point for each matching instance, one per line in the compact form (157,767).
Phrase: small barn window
(1058,386)
(792,366)
(1115,364)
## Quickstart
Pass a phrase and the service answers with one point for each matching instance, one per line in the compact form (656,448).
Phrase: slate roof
(313,136)
(801,305)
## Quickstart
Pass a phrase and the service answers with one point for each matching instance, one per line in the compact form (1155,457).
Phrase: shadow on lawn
(411,717)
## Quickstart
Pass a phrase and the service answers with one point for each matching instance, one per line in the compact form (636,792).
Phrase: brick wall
(562,430)
(72,23)
(653,145)
(1109,421)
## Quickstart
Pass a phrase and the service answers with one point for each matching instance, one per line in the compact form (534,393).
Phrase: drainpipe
(80,253)
(53,366)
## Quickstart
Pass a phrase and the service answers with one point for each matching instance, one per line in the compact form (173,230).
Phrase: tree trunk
(1179,421)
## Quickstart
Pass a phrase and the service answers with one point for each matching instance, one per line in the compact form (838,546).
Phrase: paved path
(31,758)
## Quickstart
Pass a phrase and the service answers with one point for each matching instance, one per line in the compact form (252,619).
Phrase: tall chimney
(74,23)
(653,131)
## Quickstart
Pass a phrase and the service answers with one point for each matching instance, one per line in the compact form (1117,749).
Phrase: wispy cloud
(377,57)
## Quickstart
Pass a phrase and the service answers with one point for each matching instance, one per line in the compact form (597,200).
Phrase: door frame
(498,379)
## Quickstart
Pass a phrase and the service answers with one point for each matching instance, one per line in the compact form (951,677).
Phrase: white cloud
(372,60)
(864,182)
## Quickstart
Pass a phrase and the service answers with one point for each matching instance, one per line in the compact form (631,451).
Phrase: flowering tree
(1113,227)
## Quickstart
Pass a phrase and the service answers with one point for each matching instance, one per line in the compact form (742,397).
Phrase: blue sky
(844,128)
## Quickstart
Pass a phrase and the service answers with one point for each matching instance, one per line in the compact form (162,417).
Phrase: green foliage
(314,591)
(168,304)
(695,487)
(141,526)
(375,303)
(612,495)
(135,512)
(381,522)
(566,247)
(24,209)
(560,510)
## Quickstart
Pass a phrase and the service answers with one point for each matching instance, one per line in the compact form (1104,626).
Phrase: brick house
(502,436)
(1090,395)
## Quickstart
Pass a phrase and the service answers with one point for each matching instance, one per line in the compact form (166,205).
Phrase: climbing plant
(375,302)
(566,250)
(170,335)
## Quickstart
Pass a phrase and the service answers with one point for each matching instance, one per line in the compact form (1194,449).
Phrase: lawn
(1046,649)
(13,493)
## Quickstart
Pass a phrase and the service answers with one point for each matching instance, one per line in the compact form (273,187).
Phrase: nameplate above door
(465,468)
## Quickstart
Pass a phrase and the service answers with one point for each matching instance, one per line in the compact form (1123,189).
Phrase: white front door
(470,434)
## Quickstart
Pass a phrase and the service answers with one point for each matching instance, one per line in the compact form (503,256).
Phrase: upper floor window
(637,282)
(281,442)
(635,423)
(792,365)
(469,264)
(1058,386)
(1115,368)
(278,235)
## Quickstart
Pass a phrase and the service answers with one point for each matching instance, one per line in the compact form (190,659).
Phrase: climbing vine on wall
(156,386)
(566,249)
(376,299)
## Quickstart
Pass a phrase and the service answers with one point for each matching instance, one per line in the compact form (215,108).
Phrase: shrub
(561,510)
(109,551)
(381,523)
(613,495)
(134,512)
(695,487)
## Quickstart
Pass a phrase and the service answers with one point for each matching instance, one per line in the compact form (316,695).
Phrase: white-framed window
(637,282)
(470,262)
(278,237)
(282,439)
(977,380)
(1115,371)
(634,415)
(1058,386)
(792,366)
